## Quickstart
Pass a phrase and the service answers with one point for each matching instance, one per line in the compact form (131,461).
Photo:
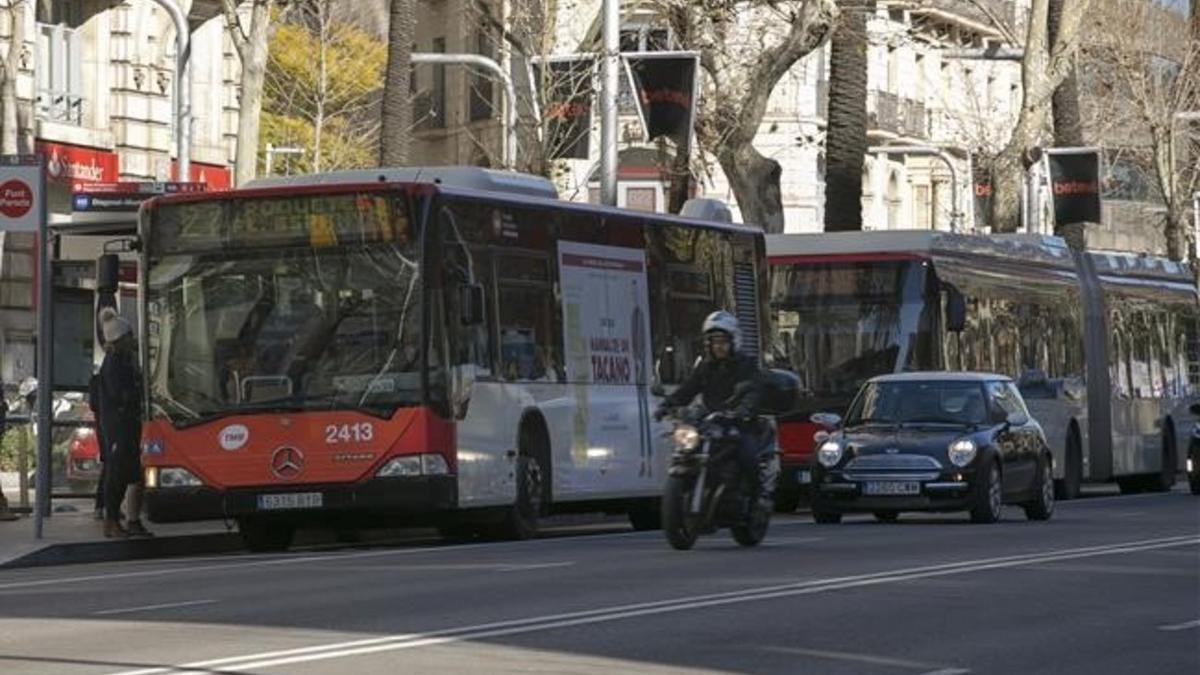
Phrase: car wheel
(1072,480)
(826,517)
(1194,472)
(887,516)
(989,498)
(1042,506)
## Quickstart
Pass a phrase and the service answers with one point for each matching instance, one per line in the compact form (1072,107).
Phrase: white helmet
(28,387)
(723,322)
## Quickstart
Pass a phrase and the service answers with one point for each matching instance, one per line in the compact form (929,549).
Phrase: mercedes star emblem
(287,463)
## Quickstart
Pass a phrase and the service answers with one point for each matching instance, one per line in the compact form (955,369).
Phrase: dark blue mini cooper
(933,442)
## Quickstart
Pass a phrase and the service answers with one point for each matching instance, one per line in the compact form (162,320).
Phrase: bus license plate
(290,500)
(889,488)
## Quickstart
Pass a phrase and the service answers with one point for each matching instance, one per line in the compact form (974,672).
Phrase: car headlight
(414,465)
(171,477)
(830,453)
(962,452)
(686,437)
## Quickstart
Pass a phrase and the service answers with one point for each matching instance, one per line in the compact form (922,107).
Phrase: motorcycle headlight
(686,437)
(962,452)
(830,453)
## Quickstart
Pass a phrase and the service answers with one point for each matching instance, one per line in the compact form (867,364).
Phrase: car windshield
(922,402)
(290,328)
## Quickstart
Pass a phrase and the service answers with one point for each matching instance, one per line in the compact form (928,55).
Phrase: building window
(641,198)
(59,73)
(481,95)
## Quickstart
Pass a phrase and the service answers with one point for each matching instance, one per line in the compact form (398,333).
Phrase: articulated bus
(453,347)
(1103,345)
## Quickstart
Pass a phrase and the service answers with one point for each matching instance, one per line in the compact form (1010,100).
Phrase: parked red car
(83,460)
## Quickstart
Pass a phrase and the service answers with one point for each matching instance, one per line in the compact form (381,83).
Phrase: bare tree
(10,118)
(745,49)
(1044,66)
(397,120)
(1154,68)
(251,46)
(846,141)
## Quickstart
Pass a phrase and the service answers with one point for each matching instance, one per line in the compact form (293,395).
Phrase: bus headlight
(429,464)
(962,451)
(686,437)
(171,477)
(830,454)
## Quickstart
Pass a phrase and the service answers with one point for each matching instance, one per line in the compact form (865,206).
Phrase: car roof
(941,376)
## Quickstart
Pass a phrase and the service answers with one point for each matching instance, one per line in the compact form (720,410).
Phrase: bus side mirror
(470,302)
(108,273)
(956,310)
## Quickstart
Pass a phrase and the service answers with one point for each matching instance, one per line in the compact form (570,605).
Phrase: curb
(130,549)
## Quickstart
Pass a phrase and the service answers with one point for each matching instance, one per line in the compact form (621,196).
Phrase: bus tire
(1131,485)
(1069,486)
(645,515)
(261,535)
(520,521)
(1164,480)
(988,504)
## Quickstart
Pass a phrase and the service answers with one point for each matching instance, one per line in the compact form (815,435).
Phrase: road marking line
(948,671)
(608,614)
(857,658)
(1181,626)
(146,608)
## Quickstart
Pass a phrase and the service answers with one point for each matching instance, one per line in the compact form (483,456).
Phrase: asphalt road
(1110,585)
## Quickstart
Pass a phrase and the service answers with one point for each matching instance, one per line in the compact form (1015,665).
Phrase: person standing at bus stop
(121,427)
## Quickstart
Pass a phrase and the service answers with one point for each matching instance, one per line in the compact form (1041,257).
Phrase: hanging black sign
(665,86)
(564,88)
(1075,185)
(981,184)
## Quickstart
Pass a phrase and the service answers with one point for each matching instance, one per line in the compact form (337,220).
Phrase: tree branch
(233,21)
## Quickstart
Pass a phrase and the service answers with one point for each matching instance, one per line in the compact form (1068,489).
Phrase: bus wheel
(520,521)
(1164,480)
(1068,487)
(646,514)
(264,536)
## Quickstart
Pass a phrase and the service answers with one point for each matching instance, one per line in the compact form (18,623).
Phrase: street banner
(21,193)
(605,304)
(564,91)
(664,85)
(981,184)
(1074,184)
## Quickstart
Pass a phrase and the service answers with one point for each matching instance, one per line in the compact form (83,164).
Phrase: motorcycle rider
(723,372)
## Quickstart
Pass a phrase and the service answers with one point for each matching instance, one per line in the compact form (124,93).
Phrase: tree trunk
(846,140)
(10,119)
(322,85)
(1068,121)
(254,68)
(755,182)
(395,135)
(679,188)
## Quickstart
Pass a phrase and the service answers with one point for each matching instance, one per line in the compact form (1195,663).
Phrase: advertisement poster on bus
(607,338)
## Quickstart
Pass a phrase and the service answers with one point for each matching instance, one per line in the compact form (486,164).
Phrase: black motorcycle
(706,489)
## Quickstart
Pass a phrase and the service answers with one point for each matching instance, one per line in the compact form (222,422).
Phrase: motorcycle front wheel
(681,534)
(753,532)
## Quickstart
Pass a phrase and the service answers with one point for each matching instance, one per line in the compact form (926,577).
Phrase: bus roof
(921,243)
(1125,265)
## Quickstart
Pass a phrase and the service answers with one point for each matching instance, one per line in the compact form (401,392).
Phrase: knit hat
(113,326)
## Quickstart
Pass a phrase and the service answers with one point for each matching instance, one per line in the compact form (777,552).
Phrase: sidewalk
(71,535)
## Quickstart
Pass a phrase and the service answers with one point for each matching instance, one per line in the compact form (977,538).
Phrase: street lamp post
(510,144)
(183,89)
(609,69)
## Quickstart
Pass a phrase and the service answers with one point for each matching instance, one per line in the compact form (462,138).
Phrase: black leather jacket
(716,380)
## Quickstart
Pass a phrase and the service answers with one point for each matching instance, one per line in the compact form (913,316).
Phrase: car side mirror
(826,420)
(1017,419)
(470,302)
(108,273)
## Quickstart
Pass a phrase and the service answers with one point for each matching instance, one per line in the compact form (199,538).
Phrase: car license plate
(804,477)
(891,488)
(290,500)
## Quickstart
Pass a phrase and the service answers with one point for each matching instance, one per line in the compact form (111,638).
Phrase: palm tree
(396,132)
(846,139)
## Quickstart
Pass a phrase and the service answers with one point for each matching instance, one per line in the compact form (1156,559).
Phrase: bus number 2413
(345,433)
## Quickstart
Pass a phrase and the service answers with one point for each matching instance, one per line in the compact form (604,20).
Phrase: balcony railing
(60,106)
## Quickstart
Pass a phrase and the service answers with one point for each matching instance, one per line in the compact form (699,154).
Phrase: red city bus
(393,346)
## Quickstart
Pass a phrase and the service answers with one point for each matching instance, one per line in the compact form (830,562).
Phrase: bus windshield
(289,328)
(838,324)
